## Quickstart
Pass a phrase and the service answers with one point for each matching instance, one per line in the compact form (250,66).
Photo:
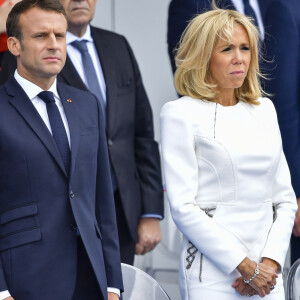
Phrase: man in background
(113,75)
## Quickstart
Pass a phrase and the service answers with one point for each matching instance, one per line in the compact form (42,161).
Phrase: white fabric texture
(231,159)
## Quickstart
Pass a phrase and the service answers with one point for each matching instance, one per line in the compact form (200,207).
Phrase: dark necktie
(90,72)
(249,11)
(57,126)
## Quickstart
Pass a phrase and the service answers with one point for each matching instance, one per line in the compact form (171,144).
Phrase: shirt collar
(87,36)
(31,89)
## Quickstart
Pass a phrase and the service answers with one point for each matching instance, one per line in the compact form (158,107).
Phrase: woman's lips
(237,73)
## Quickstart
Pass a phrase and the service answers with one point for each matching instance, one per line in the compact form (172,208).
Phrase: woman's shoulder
(183,105)
(264,110)
(265,105)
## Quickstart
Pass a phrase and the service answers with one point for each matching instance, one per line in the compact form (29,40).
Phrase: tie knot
(46,96)
(80,45)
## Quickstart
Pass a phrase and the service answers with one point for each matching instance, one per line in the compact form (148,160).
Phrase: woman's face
(230,62)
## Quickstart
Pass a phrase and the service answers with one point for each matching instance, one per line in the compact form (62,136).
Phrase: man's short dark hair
(13,20)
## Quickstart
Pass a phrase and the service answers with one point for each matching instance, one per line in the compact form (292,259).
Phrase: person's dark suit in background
(58,233)
(282,41)
(133,152)
(182,11)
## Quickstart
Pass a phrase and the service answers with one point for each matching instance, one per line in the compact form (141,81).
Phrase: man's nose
(52,42)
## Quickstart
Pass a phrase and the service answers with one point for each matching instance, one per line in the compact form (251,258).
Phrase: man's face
(79,12)
(42,50)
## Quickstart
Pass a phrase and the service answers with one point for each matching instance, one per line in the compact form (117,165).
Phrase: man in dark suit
(282,24)
(133,152)
(134,155)
(182,11)
(58,233)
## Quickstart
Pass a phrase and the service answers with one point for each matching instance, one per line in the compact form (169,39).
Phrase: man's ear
(14,45)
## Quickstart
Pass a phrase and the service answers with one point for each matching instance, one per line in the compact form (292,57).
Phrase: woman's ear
(14,45)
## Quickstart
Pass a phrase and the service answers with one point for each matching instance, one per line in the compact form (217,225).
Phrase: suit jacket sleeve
(105,211)
(147,156)
(282,44)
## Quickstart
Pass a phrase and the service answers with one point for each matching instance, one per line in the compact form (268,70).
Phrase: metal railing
(293,282)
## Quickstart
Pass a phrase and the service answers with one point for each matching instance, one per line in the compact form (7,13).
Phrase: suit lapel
(26,109)
(107,65)
(70,75)
(262,6)
(72,117)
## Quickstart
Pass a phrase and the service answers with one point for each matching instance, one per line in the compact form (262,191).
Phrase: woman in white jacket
(227,179)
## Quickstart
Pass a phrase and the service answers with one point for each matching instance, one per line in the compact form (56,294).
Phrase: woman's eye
(226,49)
(245,48)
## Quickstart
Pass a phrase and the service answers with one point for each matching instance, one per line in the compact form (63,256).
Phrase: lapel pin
(69,100)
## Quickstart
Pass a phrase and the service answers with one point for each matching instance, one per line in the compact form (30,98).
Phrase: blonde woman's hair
(196,46)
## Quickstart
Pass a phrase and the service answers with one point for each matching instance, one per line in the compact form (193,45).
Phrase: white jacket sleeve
(284,201)
(181,175)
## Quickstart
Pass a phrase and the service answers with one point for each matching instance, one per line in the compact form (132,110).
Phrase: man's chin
(54,71)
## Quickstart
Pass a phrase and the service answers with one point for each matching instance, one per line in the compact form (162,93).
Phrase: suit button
(110,142)
(72,195)
(73,226)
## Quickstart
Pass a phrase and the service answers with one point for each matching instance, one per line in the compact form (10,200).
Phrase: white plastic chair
(138,285)
(293,282)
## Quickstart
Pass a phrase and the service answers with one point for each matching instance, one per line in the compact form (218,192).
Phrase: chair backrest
(293,282)
(139,285)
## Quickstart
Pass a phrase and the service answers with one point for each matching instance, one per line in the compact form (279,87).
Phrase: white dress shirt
(32,92)
(239,5)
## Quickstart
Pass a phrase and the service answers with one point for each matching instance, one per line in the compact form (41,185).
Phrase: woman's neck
(227,97)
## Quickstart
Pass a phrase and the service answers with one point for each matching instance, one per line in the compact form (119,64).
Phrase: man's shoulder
(9,87)
(107,35)
(109,38)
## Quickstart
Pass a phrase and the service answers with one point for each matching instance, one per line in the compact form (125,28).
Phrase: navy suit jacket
(40,204)
(282,40)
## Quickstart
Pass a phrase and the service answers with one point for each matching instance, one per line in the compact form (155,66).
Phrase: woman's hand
(243,288)
(271,263)
(263,281)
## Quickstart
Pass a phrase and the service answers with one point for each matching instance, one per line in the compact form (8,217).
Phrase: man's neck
(78,30)
(43,82)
